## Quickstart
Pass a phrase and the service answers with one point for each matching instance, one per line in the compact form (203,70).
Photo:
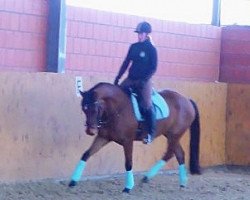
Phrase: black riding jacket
(144,61)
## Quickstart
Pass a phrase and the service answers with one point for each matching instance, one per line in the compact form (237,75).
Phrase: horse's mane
(101,84)
(107,90)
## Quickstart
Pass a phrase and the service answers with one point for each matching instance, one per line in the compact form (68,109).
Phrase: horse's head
(100,106)
(92,107)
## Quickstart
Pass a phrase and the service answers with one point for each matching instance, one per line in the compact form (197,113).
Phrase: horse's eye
(85,107)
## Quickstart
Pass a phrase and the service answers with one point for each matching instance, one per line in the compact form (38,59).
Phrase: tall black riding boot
(150,122)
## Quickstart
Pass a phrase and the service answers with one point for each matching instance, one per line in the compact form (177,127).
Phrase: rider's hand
(116,81)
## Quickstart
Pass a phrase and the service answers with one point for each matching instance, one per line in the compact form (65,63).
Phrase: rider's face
(142,37)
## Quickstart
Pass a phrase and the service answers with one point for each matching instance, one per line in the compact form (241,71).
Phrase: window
(191,11)
(235,12)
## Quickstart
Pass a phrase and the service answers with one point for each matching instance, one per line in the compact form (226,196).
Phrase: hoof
(145,179)
(196,171)
(72,183)
(126,190)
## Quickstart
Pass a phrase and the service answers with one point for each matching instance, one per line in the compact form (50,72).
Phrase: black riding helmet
(143,27)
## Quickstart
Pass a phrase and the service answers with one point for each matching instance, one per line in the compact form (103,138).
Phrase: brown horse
(110,116)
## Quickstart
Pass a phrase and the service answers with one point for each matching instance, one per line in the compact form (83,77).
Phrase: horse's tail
(194,165)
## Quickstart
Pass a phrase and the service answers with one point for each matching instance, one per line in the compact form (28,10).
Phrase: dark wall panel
(235,54)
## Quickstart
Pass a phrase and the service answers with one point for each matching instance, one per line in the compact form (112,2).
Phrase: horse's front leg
(97,144)
(129,179)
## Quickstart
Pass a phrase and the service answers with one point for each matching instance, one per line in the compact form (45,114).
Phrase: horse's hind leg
(161,163)
(97,144)
(180,156)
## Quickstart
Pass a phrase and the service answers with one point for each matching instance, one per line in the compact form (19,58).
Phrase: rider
(143,56)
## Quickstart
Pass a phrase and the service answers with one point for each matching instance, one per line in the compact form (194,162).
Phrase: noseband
(100,121)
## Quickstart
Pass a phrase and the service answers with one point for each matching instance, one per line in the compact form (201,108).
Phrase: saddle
(159,104)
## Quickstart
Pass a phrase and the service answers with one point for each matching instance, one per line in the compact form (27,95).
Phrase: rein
(101,121)
(100,112)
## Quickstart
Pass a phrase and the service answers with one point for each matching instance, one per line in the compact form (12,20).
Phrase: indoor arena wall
(42,132)
(41,123)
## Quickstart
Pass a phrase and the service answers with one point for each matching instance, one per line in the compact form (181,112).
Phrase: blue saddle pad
(160,106)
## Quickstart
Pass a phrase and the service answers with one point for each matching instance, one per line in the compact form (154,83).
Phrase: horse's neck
(113,95)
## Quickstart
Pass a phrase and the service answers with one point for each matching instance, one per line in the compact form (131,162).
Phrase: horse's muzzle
(91,131)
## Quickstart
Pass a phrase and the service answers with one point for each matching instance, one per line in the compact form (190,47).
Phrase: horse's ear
(82,93)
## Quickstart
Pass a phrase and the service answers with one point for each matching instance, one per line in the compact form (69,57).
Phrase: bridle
(100,120)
